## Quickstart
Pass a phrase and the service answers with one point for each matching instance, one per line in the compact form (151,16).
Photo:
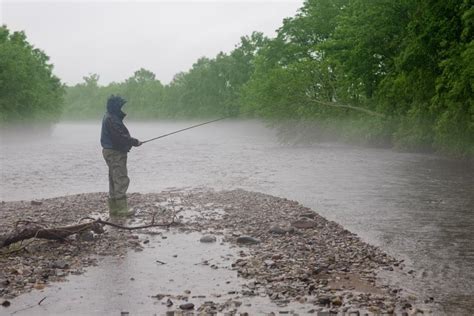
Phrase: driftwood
(35,230)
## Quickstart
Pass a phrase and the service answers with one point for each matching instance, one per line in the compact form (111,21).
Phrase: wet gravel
(287,252)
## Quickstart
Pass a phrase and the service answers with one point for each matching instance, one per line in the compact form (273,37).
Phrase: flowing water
(417,207)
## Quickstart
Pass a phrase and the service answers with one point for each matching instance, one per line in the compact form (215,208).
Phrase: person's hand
(136,142)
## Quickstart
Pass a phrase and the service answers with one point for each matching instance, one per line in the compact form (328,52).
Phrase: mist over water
(417,207)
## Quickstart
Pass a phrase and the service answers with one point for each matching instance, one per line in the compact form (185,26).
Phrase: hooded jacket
(114,134)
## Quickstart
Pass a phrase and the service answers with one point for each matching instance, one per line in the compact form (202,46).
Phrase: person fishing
(116,143)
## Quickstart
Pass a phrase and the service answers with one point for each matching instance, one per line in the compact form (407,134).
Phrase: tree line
(385,72)
(212,87)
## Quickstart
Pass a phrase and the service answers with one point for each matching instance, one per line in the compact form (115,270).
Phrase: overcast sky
(115,38)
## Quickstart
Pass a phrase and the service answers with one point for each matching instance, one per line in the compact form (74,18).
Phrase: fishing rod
(229,116)
(190,127)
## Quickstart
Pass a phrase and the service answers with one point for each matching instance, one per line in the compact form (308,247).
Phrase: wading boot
(112,207)
(122,208)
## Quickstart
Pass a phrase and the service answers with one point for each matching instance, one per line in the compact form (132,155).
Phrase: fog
(114,39)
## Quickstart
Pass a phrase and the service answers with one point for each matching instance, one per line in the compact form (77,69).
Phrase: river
(415,206)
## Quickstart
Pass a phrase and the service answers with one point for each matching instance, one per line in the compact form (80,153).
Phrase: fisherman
(116,143)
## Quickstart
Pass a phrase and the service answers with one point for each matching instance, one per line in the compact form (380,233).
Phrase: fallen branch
(99,221)
(34,230)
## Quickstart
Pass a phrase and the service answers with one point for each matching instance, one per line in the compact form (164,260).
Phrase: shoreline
(286,252)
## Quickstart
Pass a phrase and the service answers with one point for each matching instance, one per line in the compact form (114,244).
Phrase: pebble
(187,306)
(247,240)
(60,264)
(336,301)
(208,239)
(278,230)
(85,236)
(304,224)
(324,300)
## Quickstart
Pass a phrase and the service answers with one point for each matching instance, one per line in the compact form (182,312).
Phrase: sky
(116,38)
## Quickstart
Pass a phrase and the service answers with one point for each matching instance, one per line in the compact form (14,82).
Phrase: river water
(417,207)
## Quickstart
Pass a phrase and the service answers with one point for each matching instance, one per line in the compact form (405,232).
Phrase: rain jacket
(114,134)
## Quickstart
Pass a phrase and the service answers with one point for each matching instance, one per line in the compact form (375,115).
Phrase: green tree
(28,88)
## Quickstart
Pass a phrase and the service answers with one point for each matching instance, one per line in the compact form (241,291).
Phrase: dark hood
(115,104)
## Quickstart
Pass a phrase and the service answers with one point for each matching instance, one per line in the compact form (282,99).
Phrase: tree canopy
(28,88)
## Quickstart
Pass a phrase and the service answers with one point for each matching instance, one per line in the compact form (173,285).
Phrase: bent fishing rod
(190,127)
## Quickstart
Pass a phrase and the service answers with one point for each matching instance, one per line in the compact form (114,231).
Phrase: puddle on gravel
(127,284)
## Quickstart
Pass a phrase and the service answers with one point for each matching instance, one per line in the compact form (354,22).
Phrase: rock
(208,239)
(337,301)
(308,215)
(39,286)
(374,309)
(407,305)
(324,300)
(85,236)
(247,240)
(36,202)
(169,303)
(6,303)
(277,230)
(159,296)
(304,224)
(60,264)
(187,306)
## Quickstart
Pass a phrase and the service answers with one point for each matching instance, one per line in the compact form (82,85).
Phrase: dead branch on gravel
(34,230)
